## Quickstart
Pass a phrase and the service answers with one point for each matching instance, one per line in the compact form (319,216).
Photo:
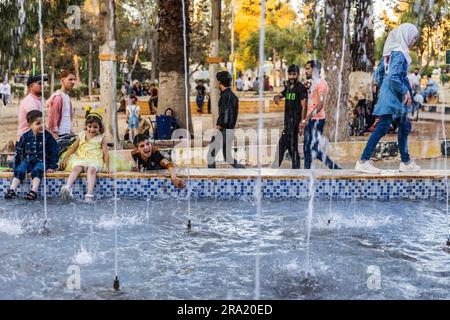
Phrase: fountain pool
(399,242)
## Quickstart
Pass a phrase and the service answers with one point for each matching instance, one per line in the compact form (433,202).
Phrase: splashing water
(116,236)
(258,188)
(345,30)
(11,227)
(44,180)
(309,222)
(317,17)
(186,101)
(233,72)
(83,256)
(444,137)
(22,16)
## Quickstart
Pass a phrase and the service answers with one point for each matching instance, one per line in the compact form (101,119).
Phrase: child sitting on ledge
(29,156)
(148,157)
(89,153)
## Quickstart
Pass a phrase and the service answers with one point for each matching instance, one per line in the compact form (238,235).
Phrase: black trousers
(223,139)
(288,141)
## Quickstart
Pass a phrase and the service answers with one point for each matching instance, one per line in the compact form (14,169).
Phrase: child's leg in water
(74,175)
(91,176)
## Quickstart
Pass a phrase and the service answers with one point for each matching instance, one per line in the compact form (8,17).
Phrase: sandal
(31,195)
(89,198)
(10,194)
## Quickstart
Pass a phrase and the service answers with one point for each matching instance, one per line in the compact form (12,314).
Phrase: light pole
(34,65)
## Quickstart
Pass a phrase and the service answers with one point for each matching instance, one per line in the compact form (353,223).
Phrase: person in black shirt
(295,95)
(224,135)
(200,99)
(148,157)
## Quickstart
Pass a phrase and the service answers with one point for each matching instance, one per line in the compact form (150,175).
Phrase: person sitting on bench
(431,89)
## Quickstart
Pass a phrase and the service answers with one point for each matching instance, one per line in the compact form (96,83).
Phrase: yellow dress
(88,154)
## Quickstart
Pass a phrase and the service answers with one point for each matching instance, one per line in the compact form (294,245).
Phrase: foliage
(285,43)
(279,15)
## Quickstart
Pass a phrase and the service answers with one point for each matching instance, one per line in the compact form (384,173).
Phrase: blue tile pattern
(381,189)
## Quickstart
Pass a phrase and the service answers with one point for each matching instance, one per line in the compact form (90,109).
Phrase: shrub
(426,71)
(18,90)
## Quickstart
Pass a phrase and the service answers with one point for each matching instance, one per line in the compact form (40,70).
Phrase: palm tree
(336,25)
(363,46)
(171,54)
(107,58)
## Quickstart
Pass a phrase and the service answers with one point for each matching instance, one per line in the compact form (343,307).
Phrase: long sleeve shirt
(56,113)
(394,85)
(30,148)
(228,109)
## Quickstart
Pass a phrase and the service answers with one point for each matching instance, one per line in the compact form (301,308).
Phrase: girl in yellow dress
(89,153)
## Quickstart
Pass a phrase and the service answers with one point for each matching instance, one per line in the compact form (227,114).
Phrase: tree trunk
(172,69)
(107,59)
(214,51)
(76,66)
(336,22)
(363,46)
(154,49)
(152,59)
(90,70)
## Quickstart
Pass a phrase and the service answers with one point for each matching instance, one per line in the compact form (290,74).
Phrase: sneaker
(89,198)
(411,167)
(66,193)
(367,167)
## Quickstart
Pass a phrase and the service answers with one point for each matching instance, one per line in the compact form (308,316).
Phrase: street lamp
(34,65)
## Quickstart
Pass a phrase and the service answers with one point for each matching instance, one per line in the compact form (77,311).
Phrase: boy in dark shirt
(295,94)
(29,156)
(148,157)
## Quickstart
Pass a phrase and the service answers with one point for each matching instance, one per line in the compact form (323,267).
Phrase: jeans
(313,135)
(5,98)
(427,92)
(223,139)
(383,127)
(288,141)
(200,100)
(36,169)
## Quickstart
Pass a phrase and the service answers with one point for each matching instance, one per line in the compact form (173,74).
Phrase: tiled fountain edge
(233,184)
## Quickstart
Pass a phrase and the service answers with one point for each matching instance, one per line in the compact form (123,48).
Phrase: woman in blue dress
(395,99)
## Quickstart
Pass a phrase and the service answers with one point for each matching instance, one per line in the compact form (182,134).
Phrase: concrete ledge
(266,174)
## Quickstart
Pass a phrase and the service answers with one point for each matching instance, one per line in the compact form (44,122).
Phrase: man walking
(315,117)
(224,134)
(295,94)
